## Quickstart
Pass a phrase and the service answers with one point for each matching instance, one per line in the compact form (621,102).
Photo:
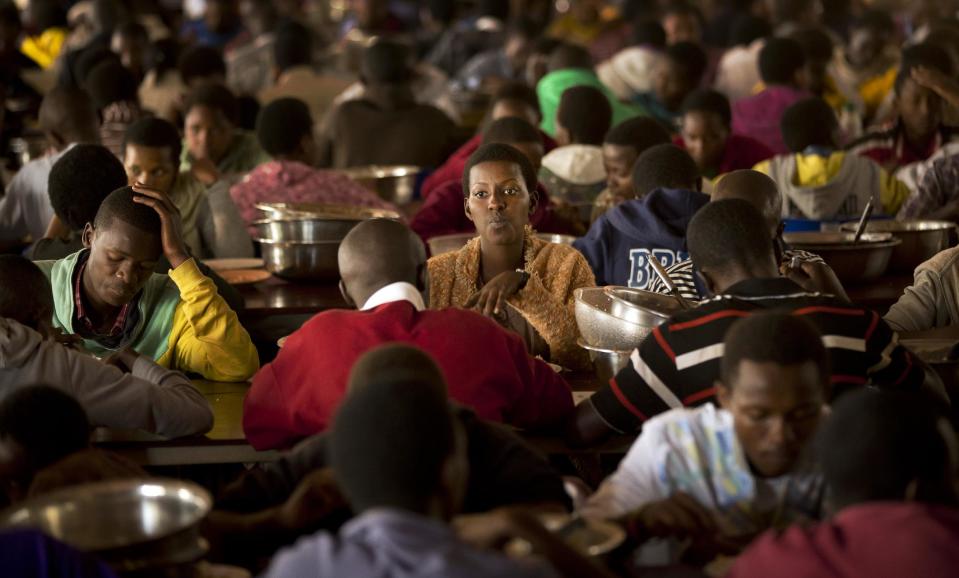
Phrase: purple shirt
(386,543)
(758,116)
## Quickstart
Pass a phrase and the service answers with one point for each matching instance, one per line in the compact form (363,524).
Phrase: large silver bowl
(323,211)
(599,327)
(853,263)
(921,240)
(301,260)
(304,229)
(641,307)
(393,183)
(606,362)
(128,523)
(449,243)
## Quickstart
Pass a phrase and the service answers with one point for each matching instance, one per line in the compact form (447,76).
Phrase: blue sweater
(619,243)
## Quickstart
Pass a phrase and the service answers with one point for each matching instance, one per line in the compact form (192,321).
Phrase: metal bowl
(641,307)
(323,211)
(599,327)
(921,240)
(128,523)
(393,183)
(449,243)
(853,262)
(606,362)
(556,238)
(302,260)
(304,229)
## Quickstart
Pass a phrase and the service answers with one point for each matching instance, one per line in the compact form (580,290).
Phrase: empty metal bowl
(641,307)
(323,211)
(393,183)
(606,362)
(853,263)
(921,240)
(599,327)
(128,523)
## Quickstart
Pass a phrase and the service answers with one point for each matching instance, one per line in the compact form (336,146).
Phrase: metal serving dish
(130,524)
(641,307)
(303,249)
(599,327)
(921,240)
(323,211)
(393,183)
(449,243)
(304,229)
(853,263)
(606,362)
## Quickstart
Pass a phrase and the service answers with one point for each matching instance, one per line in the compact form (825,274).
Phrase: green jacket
(552,86)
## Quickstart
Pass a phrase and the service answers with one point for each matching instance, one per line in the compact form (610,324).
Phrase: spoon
(673,290)
(863,221)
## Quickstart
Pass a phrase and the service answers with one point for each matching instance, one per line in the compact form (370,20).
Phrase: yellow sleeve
(892,193)
(762,167)
(207,337)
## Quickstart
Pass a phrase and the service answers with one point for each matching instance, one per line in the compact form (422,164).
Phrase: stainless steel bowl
(129,523)
(304,229)
(393,183)
(323,211)
(641,307)
(301,260)
(599,327)
(853,263)
(606,362)
(921,240)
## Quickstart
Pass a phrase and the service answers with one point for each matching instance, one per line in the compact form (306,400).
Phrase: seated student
(212,226)
(719,475)
(114,92)
(79,181)
(677,365)
(285,131)
(506,272)
(386,126)
(128,392)
(810,272)
(484,28)
(573,172)
(937,196)
(512,100)
(706,134)
(621,147)
(442,212)
(503,470)
(108,295)
(917,131)
(781,63)
(914,499)
(399,458)
(820,182)
(569,66)
(868,68)
(211,114)
(382,264)
(66,117)
(819,49)
(933,298)
(678,73)
(631,71)
(666,193)
(500,64)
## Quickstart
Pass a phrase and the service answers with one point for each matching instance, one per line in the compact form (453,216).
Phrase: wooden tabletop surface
(278,297)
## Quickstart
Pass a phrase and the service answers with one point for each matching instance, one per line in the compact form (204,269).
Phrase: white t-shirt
(696,451)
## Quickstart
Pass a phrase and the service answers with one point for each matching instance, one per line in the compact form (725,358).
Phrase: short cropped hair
(282,124)
(728,233)
(25,292)
(390,441)
(690,59)
(387,62)
(110,82)
(664,166)
(638,133)
(511,130)
(119,206)
(154,132)
(79,181)
(709,101)
(923,55)
(569,56)
(293,45)
(47,422)
(496,153)
(875,443)
(779,60)
(200,62)
(520,92)
(215,97)
(773,337)
(809,122)
(585,112)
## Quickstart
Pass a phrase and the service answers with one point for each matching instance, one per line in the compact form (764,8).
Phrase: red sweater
(486,369)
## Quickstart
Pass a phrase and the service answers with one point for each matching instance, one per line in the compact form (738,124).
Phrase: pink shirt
(295,182)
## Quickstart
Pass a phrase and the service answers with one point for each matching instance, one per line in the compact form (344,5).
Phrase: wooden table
(881,294)
(278,297)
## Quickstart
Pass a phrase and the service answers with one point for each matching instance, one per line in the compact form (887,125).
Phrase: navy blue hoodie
(619,243)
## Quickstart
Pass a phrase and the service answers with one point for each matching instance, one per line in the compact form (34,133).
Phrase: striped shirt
(683,274)
(678,363)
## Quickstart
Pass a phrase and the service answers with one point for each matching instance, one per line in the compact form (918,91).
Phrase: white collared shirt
(400,291)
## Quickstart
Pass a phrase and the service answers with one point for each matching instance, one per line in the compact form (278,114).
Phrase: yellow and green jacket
(183,324)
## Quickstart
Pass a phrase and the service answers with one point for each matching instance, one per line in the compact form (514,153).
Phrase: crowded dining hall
(479,288)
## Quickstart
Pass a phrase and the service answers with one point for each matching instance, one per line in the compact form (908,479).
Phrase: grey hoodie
(150,398)
(843,197)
